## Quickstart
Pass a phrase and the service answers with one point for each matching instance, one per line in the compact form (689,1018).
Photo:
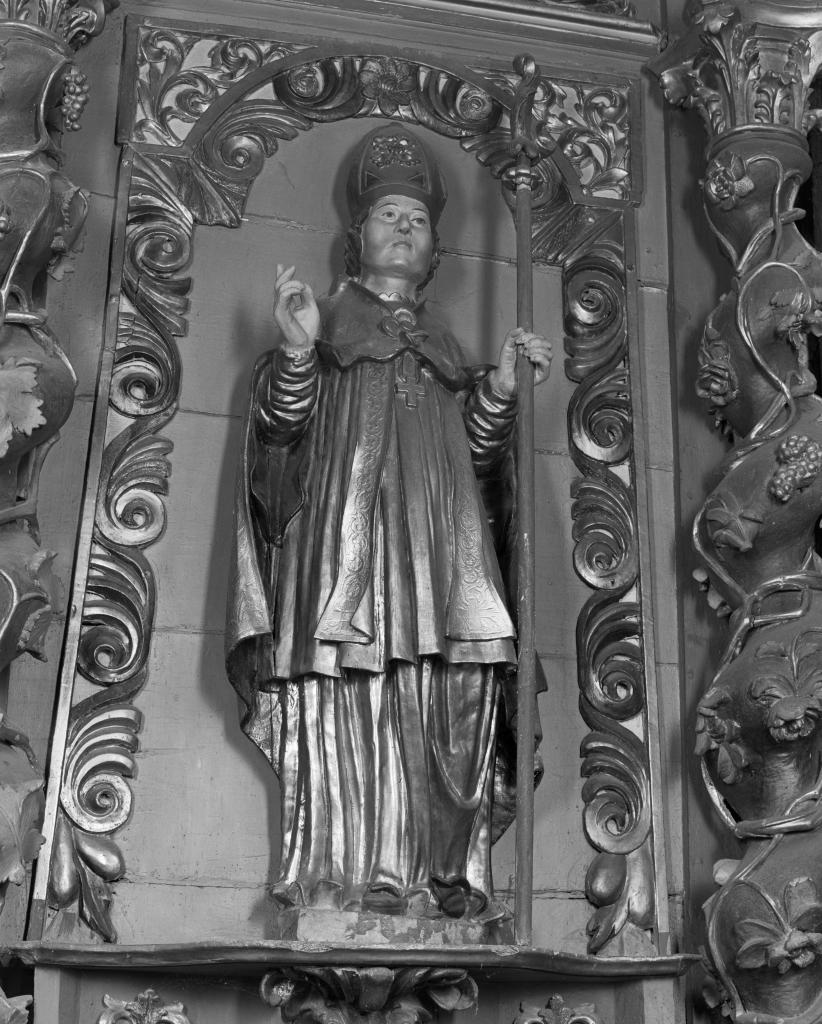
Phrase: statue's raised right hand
(295,309)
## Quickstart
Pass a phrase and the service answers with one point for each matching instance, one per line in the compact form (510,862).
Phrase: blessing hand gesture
(295,309)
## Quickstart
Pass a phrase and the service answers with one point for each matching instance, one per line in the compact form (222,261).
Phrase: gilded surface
(369,637)
(757,727)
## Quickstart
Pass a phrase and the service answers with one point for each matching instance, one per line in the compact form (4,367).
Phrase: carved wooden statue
(369,634)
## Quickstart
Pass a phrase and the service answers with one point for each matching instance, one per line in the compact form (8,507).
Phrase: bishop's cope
(368,633)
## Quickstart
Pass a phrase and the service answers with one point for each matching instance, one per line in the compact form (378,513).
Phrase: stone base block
(306,924)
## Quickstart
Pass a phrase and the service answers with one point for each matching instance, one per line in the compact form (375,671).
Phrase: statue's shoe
(452,894)
(383,899)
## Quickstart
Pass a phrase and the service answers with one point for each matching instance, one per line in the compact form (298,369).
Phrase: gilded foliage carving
(73,21)
(616,792)
(368,995)
(757,728)
(146,1008)
(231,101)
(118,612)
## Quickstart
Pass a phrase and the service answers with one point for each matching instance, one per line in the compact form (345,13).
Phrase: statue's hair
(353,250)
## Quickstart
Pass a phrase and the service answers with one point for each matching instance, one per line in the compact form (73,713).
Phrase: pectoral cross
(409,383)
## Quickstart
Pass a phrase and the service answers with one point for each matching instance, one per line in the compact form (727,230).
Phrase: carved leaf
(802,904)
(21,814)
(772,649)
(95,902)
(753,953)
(14,1010)
(19,404)
(730,523)
(146,1008)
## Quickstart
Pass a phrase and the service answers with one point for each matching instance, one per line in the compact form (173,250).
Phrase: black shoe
(383,899)
(452,895)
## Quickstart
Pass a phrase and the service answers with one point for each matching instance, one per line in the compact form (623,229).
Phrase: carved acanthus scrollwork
(367,995)
(73,21)
(589,124)
(118,612)
(616,793)
(757,732)
(735,69)
(213,97)
(146,1008)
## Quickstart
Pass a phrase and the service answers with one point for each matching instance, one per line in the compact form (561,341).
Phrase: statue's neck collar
(392,300)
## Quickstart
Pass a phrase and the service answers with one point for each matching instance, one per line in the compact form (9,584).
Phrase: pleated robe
(368,625)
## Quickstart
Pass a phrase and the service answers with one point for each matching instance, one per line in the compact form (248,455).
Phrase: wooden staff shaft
(526,684)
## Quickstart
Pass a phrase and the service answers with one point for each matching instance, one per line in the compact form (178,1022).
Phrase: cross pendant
(408,383)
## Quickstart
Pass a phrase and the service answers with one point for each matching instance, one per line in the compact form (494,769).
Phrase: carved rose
(730,524)
(389,82)
(716,380)
(727,180)
(793,940)
(307,81)
(19,405)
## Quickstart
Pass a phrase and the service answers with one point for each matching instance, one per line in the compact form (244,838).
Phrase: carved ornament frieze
(182,76)
(120,595)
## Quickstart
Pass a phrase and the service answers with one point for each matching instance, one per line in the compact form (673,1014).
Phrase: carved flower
(791,693)
(19,405)
(727,180)
(307,81)
(722,734)
(730,524)
(717,380)
(390,82)
(799,460)
(794,940)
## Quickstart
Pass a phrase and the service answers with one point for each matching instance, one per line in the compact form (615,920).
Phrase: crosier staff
(524,146)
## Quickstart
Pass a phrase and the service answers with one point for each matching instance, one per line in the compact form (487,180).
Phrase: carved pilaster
(747,70)
(41,214)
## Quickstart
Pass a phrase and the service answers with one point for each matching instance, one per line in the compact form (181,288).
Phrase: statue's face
(396,239)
